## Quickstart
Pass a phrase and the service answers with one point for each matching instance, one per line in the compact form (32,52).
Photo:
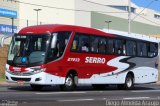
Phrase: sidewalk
(7,84)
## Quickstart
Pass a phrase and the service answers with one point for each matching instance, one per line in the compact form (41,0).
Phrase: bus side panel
(116,76)
(146,69)
(113,71)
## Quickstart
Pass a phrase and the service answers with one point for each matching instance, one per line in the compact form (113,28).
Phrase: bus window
(94,44)
(152,50)
(102,46)
(118,46)
(142,49)
(80,43)
(110,45)
(83,43)
(74,46)
(124,48)
(130,48)
(38,44)
(58,44)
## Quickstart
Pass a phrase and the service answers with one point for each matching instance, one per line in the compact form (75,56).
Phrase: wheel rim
(69,81)
(129,82)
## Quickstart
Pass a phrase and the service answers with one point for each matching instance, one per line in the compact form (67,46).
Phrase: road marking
(48,93)
(71,100)
(147,91)
(136,98)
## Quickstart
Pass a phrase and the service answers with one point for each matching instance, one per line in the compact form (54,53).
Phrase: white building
(90,13)
(8,17)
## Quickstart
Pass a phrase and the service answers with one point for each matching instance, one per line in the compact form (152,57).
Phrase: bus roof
(49,28)
(132,35)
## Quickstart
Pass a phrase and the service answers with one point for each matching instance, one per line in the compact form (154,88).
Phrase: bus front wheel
(70,83)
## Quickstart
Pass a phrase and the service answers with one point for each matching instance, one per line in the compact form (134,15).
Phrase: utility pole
(129,17)
(108,22)
(12,25)
(37,10)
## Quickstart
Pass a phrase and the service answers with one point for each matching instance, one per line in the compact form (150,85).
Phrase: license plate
(21,82)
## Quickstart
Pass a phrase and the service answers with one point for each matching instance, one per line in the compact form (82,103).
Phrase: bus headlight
(6,69)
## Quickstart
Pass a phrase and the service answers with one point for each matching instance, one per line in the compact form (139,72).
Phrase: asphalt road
(83,96)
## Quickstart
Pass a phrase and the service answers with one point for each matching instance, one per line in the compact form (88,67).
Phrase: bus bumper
(41,78)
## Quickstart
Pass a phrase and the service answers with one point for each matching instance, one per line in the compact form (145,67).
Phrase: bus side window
(124,48)
(110,48)
(102,46)
(81,43)
(75,43)
(130,48)
(94,44)
(84,43)
(118,47)
(142,49)
(152,50)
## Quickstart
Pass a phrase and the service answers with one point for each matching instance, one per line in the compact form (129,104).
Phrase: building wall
(98,21)
(6,21)
(88,14)
(48,14)
(143,24)
(84,17)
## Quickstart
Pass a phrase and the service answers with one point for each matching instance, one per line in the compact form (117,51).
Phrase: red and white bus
(69,55)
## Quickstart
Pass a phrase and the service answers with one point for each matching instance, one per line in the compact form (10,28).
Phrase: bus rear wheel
(129,83)
(70,83)
(36,87)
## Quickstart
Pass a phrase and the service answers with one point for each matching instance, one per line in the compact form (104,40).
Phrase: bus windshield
(28,50)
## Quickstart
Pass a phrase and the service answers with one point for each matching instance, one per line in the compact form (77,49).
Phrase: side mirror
(3,38)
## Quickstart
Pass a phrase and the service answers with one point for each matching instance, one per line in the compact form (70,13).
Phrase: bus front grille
(21,79)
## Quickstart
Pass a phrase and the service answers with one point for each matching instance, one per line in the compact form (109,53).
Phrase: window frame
(123,45)
(49,47)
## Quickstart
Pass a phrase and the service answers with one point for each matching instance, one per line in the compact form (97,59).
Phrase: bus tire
(129,83)
(36,87)
(70,83)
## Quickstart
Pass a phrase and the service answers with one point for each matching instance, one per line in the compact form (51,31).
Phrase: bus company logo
(97,60)
(16,69)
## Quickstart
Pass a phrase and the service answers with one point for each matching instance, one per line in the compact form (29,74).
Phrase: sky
(143,3)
